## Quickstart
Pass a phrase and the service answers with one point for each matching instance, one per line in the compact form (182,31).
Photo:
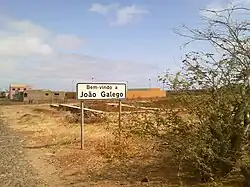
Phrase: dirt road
(15,169)
(46,152)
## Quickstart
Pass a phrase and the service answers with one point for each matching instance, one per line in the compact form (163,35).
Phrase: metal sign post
(82,125)
(100,91)
(119,120)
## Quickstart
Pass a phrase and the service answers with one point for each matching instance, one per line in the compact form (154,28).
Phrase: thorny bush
(214,137)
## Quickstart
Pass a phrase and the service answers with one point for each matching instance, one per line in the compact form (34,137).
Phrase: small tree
(216,139)
(3,94)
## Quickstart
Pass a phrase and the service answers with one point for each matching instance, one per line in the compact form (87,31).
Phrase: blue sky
(50,43)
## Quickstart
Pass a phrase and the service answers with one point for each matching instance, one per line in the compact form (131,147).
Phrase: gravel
(15,169)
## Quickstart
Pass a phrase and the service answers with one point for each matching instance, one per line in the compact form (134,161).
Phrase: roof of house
(19,85)
(142,89)
(137,89)
(40,90)
(44,90)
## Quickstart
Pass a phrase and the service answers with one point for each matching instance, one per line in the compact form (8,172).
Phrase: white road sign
(94,91)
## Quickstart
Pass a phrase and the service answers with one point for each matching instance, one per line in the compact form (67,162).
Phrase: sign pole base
(119,120)
(82,125)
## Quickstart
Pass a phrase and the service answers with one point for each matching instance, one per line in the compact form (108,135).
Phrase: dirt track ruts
(15,169)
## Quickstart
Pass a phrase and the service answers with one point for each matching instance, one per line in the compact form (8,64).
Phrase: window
(46,94)
(24,89)
(13,89)
(18,88)
(56,93)
(25,95)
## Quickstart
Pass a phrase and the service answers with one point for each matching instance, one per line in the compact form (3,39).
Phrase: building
(16,88)
(71,95)
(58,97)
(43,96)
(4,94)
(145,93)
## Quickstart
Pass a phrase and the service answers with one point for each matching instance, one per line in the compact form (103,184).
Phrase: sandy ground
(15,168)
(40,147)
(51,146)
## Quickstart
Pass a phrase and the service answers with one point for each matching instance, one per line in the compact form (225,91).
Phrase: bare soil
(53,148)
(16,168)
(102,105)
(51,156)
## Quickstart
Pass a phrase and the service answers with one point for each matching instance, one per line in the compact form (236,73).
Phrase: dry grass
(102,163)
(102,105)
(106,161)
(70,117)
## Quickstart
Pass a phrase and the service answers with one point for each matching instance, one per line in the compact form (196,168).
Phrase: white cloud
(33,54)
(129,14)
(241,2)
(26,27)
(23,45)
(23,38)
(215,6)
(123,14)
(68,42)
(58,71)
(102,9)
(222,4)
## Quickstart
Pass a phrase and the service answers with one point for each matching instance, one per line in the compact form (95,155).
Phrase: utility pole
(73,85)
(149,82)
(163,82)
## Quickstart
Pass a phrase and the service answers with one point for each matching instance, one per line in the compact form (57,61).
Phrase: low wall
(70,95)
(145,93)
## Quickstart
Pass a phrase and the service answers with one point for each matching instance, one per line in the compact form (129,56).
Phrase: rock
(145,180)
(49,154)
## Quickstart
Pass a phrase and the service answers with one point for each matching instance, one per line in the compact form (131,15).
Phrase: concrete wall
(70,95)
(58,97)
(37,96)
(145,93)
(44,96)
(15,88)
